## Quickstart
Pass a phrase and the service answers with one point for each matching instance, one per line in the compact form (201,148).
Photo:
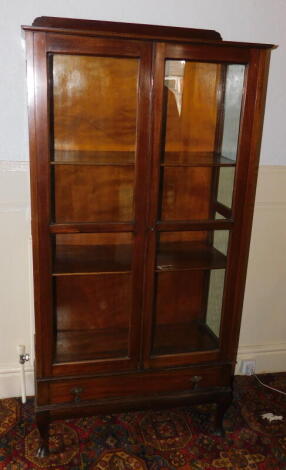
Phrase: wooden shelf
(91,227)
(178,159)
(84,345)
(85,157)
(183,338)
(77,259)
(81,259)
(188,255)
(100,158)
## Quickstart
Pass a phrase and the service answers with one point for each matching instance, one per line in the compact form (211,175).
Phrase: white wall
(243,20)
(263,327)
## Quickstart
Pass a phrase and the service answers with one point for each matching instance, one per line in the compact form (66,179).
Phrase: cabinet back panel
(189,236)
(186,193)
(179,297)
(90,302)
(93,194)
(95,102)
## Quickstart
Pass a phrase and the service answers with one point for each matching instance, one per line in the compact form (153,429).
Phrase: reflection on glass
(191,107)
(232,109)
(190,271)
(201,117)
(174,80)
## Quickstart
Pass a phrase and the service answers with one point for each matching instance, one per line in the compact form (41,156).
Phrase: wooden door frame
(39,45)
(256,61)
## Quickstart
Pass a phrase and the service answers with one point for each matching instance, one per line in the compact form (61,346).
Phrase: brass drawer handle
(195,380)
(76,391)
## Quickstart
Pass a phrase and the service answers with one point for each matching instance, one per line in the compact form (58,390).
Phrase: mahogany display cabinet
(144,145)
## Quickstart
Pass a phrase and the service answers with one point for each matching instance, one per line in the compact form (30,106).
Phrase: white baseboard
(10,385)
(269,358)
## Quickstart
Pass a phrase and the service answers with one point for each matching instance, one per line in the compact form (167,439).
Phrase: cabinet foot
(43,451)
(42,420)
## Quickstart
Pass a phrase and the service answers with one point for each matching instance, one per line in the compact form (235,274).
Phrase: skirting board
(268,358)
(10,385)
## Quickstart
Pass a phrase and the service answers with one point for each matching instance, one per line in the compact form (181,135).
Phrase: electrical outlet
(247,367)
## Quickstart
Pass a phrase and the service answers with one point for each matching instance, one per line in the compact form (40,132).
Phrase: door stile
(156,131)
(141,198)
(41,207)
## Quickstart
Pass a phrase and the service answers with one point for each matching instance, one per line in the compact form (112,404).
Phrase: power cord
(268,386)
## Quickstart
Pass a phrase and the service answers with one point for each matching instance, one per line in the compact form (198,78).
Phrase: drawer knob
(76,391)
(195,380)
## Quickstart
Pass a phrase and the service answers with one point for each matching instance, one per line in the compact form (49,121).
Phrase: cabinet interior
(94,103)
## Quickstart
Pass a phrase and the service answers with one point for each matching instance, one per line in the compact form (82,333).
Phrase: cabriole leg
(222,407)
(42,419)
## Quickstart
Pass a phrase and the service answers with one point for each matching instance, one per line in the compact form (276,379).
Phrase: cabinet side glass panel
(92,295)
(190,273)
(215,297)
(93,133)
(201,118)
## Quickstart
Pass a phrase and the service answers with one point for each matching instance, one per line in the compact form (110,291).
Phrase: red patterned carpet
(175,439)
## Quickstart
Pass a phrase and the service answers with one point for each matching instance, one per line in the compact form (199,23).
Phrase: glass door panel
(93,154)
(225,186)
(201,116)
(93,295)
(94,109)
(190,271)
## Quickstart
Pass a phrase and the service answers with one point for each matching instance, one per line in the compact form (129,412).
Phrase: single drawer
(137,384)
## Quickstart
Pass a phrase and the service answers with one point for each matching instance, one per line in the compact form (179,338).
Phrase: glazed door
(199,165)
(97,98)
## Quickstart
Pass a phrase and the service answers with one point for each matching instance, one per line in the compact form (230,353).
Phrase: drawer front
(143,384)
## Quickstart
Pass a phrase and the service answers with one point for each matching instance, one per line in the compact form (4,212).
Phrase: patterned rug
(175,439)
